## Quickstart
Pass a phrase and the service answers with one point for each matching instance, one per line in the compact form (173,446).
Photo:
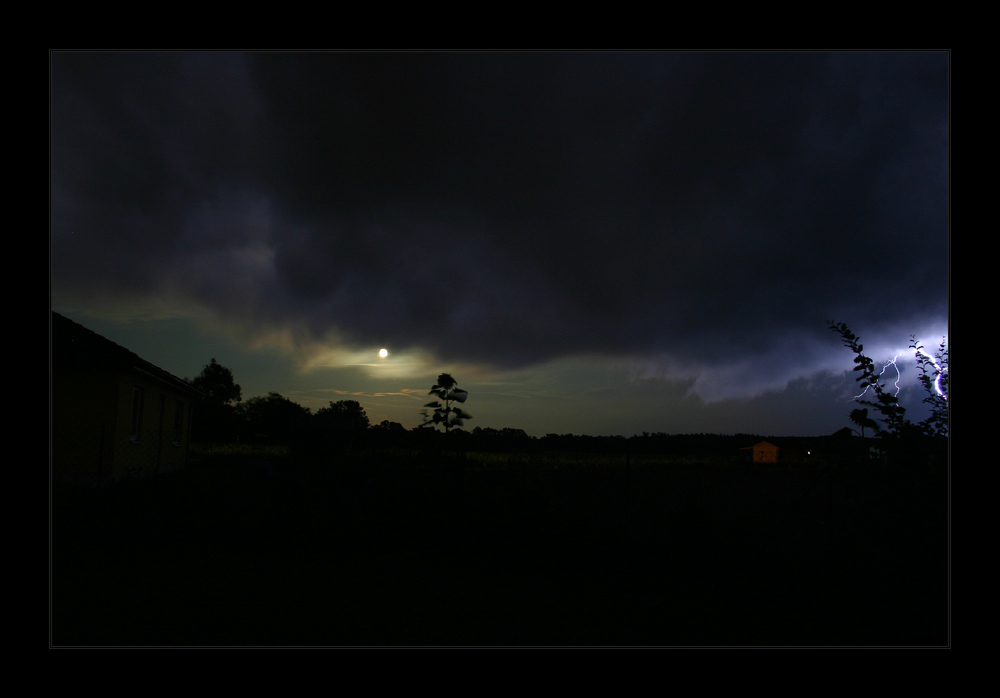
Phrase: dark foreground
(381,550)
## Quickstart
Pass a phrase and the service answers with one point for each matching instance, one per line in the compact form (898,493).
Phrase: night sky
(591,243)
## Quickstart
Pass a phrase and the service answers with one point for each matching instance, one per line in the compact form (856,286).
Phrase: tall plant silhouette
(893,415)
(862,420)
(445,412)
(934,378)
(875,394)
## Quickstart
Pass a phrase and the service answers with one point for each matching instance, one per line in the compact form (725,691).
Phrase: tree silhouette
(216,382)
(215,415)
(447,415)
(343,416)
(274,418)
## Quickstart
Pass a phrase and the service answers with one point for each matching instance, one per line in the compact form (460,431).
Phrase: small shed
(112,412)
(762,452)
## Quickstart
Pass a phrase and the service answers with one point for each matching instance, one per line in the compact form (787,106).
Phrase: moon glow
(383,353)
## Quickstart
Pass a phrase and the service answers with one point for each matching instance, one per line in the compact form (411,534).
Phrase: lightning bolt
(891,362)
(937,378)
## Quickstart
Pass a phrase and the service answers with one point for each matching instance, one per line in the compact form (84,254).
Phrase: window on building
(179,423)
(136,413)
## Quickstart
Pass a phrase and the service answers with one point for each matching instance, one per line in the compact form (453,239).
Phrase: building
(762,452)
(112,413)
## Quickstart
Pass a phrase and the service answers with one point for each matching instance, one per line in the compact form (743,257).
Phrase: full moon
(383,353)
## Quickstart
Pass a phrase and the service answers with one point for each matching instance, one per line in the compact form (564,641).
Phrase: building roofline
(95,349)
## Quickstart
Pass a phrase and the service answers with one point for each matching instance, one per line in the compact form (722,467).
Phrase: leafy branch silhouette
(891,414)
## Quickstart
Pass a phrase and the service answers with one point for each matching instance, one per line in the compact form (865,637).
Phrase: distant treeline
(223,417)
(659,443)
(344,425)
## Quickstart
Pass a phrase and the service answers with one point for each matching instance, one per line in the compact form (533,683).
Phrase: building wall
(152,439)
(765,454)
(84,419)
(95,435)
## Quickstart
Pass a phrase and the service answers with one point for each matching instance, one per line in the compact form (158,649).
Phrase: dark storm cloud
(512,208)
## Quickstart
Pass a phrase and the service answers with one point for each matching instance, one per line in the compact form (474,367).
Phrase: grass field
(401,548)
